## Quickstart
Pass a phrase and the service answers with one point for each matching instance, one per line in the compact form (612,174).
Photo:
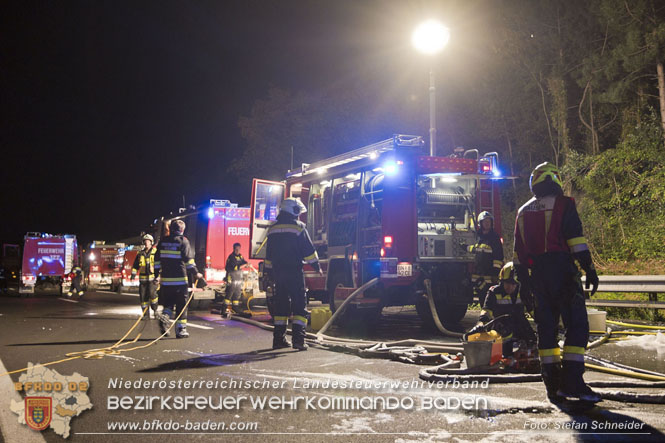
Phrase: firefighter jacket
(549,224)
(174,259)
(288,245)
(76,272)
(234,263)
(498,303)
(489,253)
(144,264)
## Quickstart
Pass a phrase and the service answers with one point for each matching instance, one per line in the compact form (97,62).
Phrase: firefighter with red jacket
(548,240)
(144,266)
(173,261)
(506,308)
(234,262)
(288,246)
(488,251)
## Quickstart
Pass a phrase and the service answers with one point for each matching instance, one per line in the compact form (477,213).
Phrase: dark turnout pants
(290,298)
(174,298)
(558,292)
(148,294)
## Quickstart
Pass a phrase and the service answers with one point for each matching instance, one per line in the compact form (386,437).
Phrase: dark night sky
(112,110)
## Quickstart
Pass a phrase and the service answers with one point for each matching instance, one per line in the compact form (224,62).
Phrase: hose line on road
(114,349)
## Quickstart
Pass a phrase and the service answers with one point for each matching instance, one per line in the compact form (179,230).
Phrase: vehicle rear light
(383,252)
(355,256)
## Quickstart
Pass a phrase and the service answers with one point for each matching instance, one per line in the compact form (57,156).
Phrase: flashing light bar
(368,152)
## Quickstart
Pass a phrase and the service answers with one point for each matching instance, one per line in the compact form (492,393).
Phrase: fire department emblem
(38,412)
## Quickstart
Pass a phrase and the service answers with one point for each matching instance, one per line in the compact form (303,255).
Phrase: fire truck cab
(391,212)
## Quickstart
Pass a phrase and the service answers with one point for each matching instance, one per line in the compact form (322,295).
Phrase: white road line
(70,301)
(194,325)
(121,293)
(12,431)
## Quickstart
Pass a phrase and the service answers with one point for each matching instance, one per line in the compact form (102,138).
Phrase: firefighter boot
(299,337)
(164,324)
(572,384)
(181,330)
(279,340)
(551,373)
(153,307)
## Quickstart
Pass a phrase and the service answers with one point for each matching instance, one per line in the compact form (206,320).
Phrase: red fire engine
(101,263)
(212,230)
(124,261)
(47,261)
(389,211)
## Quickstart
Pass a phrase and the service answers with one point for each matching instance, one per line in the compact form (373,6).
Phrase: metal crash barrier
(647,284)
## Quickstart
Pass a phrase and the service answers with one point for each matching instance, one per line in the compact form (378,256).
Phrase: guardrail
(648,284)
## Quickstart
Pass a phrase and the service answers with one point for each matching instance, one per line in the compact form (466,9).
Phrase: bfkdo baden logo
(51,399)
(38,412)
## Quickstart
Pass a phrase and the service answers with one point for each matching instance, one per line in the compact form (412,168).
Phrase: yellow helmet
(507,273)
(542,171)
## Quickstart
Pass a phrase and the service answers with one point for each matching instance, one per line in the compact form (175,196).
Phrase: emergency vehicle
(391,212)
(212,230)
(47,261)
(124,262)
(101,263)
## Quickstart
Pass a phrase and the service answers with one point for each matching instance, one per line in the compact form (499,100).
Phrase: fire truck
(388,211)
(124,262)
(47,261)
(212,229)
(101,263)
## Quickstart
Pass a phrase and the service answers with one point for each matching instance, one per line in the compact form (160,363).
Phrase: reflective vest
(145,264)
(547,224)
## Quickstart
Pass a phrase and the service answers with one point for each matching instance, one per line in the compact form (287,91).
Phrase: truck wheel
(333,281)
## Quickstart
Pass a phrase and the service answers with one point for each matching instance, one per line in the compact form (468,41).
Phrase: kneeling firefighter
(488,252)
(77,277)
(506,309)
(548,241)
(288,247)
(233,299)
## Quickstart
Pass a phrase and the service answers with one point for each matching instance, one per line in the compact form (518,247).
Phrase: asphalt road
(43,329)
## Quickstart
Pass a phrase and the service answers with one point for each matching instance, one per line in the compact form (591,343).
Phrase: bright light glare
(211,213)
(430,37)
(390,168)
(496,173)
(92,256)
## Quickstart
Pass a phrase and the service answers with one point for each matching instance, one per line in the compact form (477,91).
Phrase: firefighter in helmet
(548,241)
(507,308)
(144,266)
(288,247)
(77,278)
(488,251)
(233,298)
(173,261)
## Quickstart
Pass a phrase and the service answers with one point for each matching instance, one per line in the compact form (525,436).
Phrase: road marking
(119,293)
(194,325)
(10,428)
(70,301)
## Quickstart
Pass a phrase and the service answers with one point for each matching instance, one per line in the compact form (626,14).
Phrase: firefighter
(288,247)
(233,298)
(77,277)
(173,260)
(488,251)
(548,240)
(504,300)
(144,266)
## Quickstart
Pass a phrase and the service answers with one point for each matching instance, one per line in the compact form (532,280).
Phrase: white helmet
(148,237)
(292,206)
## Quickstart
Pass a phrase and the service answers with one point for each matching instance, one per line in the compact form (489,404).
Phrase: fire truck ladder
(370,151)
